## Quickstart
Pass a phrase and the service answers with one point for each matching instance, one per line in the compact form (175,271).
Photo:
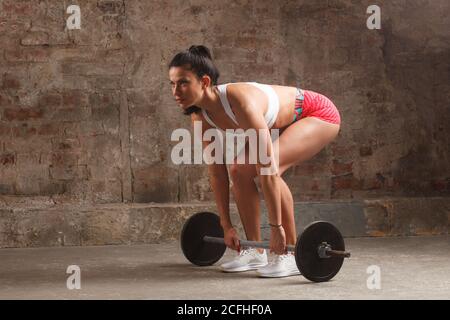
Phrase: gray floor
(410,268)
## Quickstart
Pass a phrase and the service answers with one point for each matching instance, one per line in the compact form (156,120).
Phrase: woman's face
(186,87)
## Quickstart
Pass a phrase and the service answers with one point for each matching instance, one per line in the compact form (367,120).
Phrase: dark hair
(198,60)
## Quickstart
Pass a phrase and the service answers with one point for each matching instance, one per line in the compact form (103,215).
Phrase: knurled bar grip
(246,243)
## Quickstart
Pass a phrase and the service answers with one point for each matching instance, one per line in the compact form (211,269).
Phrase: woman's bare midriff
(286,96)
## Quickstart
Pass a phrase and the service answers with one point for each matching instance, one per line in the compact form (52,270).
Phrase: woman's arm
(218,177)
(251,117)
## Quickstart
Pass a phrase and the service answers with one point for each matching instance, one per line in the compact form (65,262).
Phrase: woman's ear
(206,81)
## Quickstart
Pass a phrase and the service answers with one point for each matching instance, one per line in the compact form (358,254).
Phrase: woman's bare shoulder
(241,93)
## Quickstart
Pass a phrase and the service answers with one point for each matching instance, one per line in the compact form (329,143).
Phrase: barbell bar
(324,250)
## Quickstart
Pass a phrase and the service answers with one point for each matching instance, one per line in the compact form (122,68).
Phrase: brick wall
(86,115)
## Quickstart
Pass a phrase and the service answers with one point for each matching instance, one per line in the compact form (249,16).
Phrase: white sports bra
(272,110)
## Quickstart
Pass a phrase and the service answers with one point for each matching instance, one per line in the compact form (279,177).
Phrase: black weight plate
(194,248)
(311,266)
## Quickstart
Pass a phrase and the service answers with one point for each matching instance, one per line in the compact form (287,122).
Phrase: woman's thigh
(297,143)
(302,140)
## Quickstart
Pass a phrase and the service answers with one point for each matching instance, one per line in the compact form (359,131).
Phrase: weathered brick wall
(392,88)
(86,115)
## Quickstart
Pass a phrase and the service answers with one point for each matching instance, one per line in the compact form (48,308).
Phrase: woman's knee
(240,172)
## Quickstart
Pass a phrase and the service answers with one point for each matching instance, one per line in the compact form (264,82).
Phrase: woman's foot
(248,259)
(281,266)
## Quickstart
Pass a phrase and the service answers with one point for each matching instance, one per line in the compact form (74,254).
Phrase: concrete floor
(411,268)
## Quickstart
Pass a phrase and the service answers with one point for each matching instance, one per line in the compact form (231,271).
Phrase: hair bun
(201,51)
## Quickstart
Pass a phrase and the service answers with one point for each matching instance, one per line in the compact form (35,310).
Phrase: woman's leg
(247,199)
(299,142)
(287,213)
(246,196)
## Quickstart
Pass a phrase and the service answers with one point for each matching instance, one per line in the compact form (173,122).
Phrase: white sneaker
(281,266)
(248,259)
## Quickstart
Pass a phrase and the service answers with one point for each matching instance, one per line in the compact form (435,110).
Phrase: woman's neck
(211,101)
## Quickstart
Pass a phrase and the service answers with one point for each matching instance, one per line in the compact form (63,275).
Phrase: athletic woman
(307,122)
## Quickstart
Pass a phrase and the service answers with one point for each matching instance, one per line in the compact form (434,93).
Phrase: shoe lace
(247,251)
(279,258)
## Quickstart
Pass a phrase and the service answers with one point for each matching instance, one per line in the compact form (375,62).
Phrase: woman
(308,121)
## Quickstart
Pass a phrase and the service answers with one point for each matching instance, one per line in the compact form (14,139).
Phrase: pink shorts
(312,104)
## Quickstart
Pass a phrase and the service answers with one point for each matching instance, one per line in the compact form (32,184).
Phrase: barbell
(319,251)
